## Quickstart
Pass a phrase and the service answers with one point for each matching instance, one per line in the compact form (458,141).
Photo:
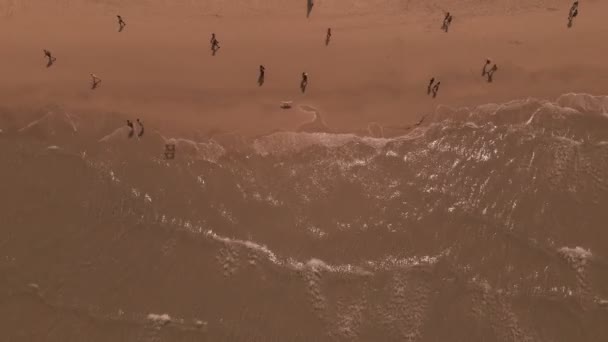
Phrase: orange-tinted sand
(479,224)
(375,69)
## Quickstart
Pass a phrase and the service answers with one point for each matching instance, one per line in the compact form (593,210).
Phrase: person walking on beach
(121,23)
(141,128)
(484,71)
(447,20)
(50,58)
(215,44)
(96,81)
(490,72)
(262,75)
(573,13)
(436,89)
(309,6)
(328,37)
(428,89)
(304,82)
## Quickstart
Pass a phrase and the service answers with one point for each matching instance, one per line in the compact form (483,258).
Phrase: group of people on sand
(262,69)
(215,45)
(51,59)
(95,80)
(262,76)
(132,129)
(432,88)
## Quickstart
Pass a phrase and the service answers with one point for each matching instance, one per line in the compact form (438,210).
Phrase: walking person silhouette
(50,58)
(96,81)
(262,75)
(436,89)
(428,89)
(121,23)
(141,128)
(490,72)
(447,21)
(573,13)
(304,82)
(215,44)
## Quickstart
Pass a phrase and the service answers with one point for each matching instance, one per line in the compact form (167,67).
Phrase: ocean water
(480,224)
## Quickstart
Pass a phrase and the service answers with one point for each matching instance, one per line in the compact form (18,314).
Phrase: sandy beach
(375,69)
(432,223)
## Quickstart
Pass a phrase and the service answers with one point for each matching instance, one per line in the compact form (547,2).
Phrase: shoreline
(94,128)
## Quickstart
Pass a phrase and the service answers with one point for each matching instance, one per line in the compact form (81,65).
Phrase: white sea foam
(119,134)
(51,122)
(210,151)
(584,102)
(577,256)
(283,142)
(161,319)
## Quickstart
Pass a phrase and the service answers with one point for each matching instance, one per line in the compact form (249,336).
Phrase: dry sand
(374,70)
